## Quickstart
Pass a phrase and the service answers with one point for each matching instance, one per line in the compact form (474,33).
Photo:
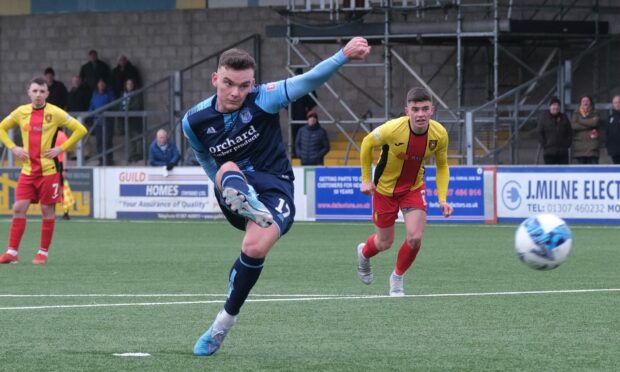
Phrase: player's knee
(19,210)
(229,166)
(254,250)
(414,241)
(383,245)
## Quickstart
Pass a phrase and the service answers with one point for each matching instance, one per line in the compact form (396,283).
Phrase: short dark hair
(91,52)
(39,81)
(554,100)
(237,59)
(49,70)
(418,94)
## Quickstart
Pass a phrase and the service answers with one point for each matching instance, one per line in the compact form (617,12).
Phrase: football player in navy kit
(236,137)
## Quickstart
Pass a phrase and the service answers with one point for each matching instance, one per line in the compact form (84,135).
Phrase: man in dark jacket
(312,142)
(94,70)
(555,134)
(58,91)
(613,131)
(124,71)
(79,96)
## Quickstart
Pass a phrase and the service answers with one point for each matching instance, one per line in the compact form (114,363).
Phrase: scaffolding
(512,34)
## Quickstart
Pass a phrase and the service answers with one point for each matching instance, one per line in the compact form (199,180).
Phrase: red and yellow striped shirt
(38,128)
(403,154)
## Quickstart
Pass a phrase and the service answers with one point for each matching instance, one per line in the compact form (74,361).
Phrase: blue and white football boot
(247,206)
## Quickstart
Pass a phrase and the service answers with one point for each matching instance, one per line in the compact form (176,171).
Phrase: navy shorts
(276,193)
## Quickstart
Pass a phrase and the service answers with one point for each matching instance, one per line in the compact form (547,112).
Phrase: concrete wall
(161,42)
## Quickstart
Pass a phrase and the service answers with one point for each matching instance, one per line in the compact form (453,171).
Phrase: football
(543,242)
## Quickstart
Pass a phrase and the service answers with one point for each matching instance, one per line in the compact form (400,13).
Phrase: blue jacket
(159,157)
(311,144)
(100,99)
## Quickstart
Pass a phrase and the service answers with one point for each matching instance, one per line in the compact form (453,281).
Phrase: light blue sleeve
(274,96)
(202,155)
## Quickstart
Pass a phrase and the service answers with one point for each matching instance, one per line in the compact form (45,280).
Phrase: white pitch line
(323,298)
(164,295)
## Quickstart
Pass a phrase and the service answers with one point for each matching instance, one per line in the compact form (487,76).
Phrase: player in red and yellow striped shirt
(406,144)
(39,181)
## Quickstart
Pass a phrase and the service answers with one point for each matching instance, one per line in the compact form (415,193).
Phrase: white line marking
(132,354)
(165,295)
(322,298)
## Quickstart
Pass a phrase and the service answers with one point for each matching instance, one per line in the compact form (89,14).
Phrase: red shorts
(43,189)
(385,208)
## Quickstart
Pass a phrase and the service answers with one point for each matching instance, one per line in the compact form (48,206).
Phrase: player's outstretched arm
(300,85)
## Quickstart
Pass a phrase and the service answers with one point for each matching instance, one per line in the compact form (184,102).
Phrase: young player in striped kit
(407,143)
(39,181)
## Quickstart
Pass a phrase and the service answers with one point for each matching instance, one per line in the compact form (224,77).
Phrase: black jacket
(92,72)
(120,75)
(58,95)
(554,133)
(311,144)
(613,134)
(78,98)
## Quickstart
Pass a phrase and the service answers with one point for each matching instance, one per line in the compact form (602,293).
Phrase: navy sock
(243,276)
(236,181)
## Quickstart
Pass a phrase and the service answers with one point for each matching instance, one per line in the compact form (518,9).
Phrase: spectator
(613,131)
(79,96)
(133,103)
(58,91)
(554,134)
(163,151)
(299,109)
(103,127)
(312,142)
(124,71)
(94,70)
(585,124)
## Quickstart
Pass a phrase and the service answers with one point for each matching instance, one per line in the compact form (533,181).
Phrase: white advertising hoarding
(579,194)
(154,193)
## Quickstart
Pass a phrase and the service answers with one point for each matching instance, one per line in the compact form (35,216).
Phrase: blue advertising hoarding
(465,193)
(338,195)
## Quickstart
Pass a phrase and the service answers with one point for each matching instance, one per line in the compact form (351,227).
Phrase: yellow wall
(191,4)
(14,7)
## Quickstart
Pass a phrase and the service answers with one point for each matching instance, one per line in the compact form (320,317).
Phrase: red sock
(18,226)
(47,231)
(370,249)
(406,256)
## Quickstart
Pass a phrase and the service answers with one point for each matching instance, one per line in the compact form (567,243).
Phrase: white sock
(42,252)
(12,252)
(224,320)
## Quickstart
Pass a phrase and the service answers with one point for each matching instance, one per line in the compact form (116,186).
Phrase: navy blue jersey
(251,136)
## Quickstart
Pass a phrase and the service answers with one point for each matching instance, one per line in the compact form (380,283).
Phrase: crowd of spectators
(563,139)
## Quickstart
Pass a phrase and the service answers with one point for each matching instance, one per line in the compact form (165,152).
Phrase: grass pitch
(153,287)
